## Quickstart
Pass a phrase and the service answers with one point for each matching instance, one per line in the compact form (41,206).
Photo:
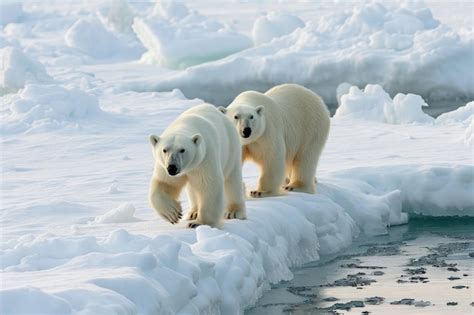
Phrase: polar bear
(200,150)
(283,131)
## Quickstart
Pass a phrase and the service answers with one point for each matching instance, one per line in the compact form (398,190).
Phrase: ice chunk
(91,38)
(374,104)
(117,15)
(17,68)
(274,25)
(178,39)
(464,115)
(123,213)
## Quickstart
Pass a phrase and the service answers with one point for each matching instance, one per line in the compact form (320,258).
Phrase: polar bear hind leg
(303,172)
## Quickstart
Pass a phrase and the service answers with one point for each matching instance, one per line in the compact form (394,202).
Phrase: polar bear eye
(164,150)
(236,117)
(182,151)
(251,116)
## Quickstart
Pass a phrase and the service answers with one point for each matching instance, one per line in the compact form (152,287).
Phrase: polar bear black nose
(246,132)
(172,169)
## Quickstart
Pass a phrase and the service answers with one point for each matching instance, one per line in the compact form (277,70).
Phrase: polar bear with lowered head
(283,131)
(199,150)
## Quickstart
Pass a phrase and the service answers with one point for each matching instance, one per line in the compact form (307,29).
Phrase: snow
(17,68)
(124,213)
(37,107)
(92,38)
(464,115)
(77,235)
(177,38)
(374,104)
(411,50)
(274,25)
(10,12)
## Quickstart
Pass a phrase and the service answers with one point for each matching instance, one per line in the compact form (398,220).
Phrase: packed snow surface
(77,233)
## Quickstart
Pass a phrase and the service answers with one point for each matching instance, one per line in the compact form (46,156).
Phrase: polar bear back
(217,132)
(283,106)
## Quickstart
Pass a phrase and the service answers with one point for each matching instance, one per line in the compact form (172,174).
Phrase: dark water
(424,267)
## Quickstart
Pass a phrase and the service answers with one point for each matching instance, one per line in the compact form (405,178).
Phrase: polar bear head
(177,154)
(248,120)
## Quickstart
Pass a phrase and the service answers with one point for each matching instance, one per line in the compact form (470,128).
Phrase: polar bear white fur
(283,131)
(200,150)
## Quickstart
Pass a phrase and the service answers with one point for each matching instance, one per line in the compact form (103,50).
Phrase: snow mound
(117,15)
(48,106)
(177,38)
(412,52)
(425,190)
(90,37)
(374,104)
(463,115)
(10,12)
(17,68)
(121,214)
(274,25)
(223,271)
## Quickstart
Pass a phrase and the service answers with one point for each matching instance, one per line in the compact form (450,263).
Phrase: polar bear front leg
(210,196)
(193,202)
(234,193)
(272,176)
(162,197)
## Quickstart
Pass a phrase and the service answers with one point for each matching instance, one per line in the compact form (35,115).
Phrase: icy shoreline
(209,270)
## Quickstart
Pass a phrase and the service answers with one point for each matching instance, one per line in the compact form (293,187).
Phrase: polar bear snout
(246,132)
(172,170)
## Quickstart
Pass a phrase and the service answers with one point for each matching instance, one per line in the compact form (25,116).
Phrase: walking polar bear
(200,150)
(284,131)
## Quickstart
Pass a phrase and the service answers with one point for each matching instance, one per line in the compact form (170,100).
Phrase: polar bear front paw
(192,214)
(171,211)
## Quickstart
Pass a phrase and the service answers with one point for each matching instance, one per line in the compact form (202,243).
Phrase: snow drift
(17,68)
(177,38)
(412,52)
(47,106)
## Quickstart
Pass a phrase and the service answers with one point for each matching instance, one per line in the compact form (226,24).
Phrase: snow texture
(10,12)
(274,25)
(410,50)
(39,107)
(176,38)
(17,68)
(374,104)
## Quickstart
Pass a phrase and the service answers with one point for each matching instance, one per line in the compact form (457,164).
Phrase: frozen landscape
(83,84)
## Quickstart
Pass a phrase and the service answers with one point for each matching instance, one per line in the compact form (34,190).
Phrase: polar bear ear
(259,109)
(154,140)
(222,109)
(197,139)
